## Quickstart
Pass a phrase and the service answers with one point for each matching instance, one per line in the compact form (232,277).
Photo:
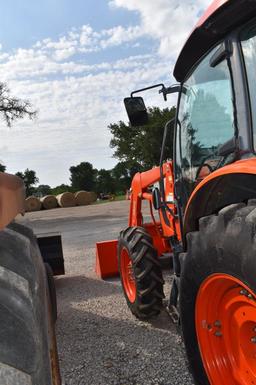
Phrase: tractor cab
(211,224)
(215,121)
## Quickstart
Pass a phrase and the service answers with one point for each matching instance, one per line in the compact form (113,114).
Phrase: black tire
(146,271)
(25,322)
(225,243)
(52,291)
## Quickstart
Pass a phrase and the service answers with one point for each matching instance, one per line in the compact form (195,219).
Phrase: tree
(83,176)
(123,173)
(43,189)
(105,183)
(12,108)
(61,189)
(142,145)
(30,180)
(120,174)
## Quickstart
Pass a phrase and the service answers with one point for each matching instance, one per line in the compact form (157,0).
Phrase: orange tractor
(206,201)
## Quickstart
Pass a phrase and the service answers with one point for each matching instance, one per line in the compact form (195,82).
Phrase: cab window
(205,122)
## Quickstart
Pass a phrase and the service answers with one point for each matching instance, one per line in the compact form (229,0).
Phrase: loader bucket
(106,259)
(50,246)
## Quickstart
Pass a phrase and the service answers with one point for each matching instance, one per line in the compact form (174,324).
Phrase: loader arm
(161,230)
(141,183)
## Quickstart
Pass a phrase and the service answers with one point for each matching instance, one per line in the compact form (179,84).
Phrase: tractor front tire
(140,272)
(218,297)
(27,339)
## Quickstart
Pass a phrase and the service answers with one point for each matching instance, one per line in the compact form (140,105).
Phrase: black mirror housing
(136,111)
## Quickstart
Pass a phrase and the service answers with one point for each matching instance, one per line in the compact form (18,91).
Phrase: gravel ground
(99,341)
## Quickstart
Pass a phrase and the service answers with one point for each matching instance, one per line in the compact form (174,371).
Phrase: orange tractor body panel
(215,6)
(210,183)
(246,166)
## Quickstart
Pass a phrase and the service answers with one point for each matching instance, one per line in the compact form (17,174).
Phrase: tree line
(83,177)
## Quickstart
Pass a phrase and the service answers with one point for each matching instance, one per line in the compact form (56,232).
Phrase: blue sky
(76,61)
(35,20)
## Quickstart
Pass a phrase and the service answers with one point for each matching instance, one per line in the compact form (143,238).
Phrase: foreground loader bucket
(50,246)
(106,259)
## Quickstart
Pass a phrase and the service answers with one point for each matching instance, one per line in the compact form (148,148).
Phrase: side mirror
(136,111)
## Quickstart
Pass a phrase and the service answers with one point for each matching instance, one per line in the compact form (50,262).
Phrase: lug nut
(217,323)
(253,340)
(219,334)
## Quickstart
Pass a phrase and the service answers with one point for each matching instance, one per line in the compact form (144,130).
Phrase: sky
(75,61)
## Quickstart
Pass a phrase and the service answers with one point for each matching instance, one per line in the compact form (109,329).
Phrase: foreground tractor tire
(218,297)
(28,353)
(140,272)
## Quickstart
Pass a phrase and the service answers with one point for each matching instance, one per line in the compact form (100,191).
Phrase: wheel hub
(128,275)
(226,330)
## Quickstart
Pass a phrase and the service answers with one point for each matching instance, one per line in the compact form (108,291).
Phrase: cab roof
(219,19)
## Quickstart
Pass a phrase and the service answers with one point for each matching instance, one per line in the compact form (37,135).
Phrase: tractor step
(166,261)
(173,313)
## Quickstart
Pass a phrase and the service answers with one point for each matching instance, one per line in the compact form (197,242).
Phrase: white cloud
(119,35)
(62,54)
(169,21)
(52,57)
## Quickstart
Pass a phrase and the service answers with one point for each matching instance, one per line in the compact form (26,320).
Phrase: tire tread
(147,272)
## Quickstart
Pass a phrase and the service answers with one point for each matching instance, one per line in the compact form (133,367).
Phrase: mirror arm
(148,88)
(164,90)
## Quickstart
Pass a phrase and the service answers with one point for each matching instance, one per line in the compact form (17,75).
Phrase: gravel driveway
(99,341)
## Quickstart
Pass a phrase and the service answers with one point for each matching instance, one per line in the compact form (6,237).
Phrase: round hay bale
(32,204)
(66,199)
(83,198)
(49,202)
(93,196)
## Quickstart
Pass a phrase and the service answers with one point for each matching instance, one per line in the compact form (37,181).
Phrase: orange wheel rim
(128,275)
(226,330)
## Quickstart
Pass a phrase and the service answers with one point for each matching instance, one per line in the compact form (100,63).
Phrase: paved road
(100,342)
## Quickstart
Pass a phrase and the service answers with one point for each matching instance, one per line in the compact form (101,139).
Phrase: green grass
(117,198)
(120,198)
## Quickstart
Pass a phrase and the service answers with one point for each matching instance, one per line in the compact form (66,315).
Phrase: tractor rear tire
(26,333)
(140,272)
(218,297)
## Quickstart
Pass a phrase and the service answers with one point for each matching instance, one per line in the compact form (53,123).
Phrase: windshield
(205,121)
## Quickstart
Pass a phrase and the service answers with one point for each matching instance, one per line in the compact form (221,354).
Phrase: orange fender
(230,184)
